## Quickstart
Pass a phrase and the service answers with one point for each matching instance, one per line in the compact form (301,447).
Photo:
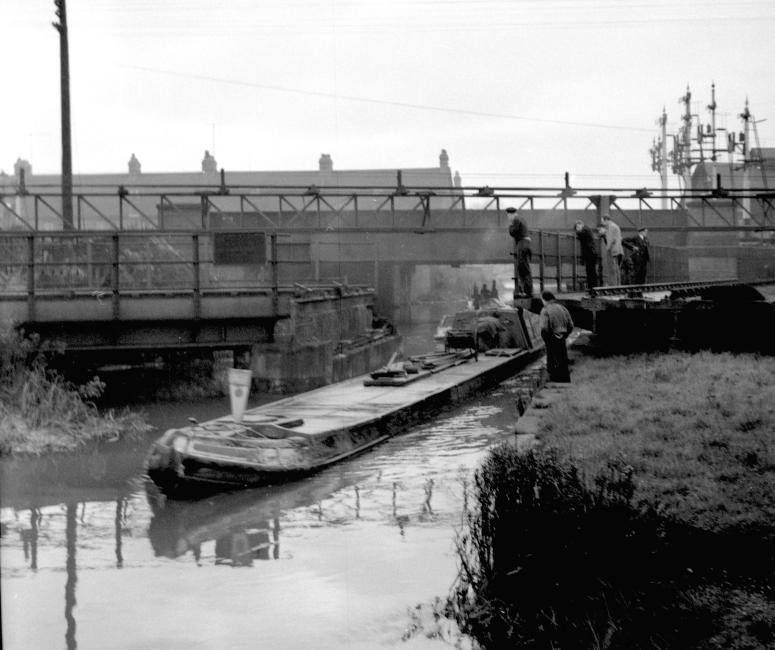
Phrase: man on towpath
(556,325)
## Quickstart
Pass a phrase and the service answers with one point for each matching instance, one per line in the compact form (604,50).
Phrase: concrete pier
(327,338)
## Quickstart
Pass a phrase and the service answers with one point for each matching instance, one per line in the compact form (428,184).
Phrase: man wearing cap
(639,247)
(523,286)
(613,251)
(556,325)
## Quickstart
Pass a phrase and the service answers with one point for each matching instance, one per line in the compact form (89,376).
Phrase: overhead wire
(385,102)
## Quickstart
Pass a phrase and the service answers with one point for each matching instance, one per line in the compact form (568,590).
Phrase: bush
(40,411)
(550,561)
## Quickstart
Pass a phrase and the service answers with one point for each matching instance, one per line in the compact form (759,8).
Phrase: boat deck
(350,402)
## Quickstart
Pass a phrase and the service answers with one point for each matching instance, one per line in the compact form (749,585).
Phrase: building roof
(153,193)
(751,175)
(325,176)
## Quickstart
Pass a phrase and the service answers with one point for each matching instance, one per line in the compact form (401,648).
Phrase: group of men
(480,297)
(555,321)
(611,267)
(615,268)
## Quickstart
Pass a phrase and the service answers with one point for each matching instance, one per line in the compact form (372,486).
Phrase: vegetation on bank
(646,520)
(40,411)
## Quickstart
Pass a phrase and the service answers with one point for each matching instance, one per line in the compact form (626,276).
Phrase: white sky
(517,91)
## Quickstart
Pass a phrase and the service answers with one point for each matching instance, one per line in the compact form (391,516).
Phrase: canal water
(93,557)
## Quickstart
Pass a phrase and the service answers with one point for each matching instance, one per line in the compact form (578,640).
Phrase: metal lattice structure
(138,207)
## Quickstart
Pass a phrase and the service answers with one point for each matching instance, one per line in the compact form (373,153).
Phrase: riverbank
(645,518)
(352,547)
(41,412)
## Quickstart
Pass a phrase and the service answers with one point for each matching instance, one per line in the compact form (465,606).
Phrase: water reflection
(239,548)
(119,521)
(365,539)
(29,538)
(245,525)
(72,577)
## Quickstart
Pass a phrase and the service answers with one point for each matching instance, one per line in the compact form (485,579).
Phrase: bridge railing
(116,263)
(73,260)
(41,272)
(557,263)
(140,207)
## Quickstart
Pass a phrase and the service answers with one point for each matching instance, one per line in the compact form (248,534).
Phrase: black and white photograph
(356,324)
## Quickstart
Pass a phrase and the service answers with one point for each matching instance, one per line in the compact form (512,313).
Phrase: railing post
(114,279)
(558,262)
(574,266)
(122,192)
(31,278)
(204,206)
(515,269)
(541,259)
(275,274)
(197,276)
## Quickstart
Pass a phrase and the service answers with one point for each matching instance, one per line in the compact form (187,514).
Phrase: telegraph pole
(67,156)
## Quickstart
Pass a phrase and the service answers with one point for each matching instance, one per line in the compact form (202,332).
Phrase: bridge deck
(725,314)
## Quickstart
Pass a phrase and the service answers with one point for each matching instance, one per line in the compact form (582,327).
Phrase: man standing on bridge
(639,245)
(588,252)
(523,283)
(613,252)
(556,325)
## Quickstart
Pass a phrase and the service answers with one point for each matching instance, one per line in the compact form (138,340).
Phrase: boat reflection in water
(245,525)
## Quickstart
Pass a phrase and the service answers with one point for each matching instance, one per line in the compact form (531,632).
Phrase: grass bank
(647,520)
(697,430)
(41,412)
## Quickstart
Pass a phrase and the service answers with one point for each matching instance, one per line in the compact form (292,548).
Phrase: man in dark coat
(588,251)
(488,332)
(523,283)
(639,254)
(556,325)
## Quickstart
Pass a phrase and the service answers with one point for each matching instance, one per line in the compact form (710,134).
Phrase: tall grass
(40,411)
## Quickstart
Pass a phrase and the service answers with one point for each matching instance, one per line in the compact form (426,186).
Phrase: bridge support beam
(394,291)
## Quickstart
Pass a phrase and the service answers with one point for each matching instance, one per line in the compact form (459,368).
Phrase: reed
(40,411)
